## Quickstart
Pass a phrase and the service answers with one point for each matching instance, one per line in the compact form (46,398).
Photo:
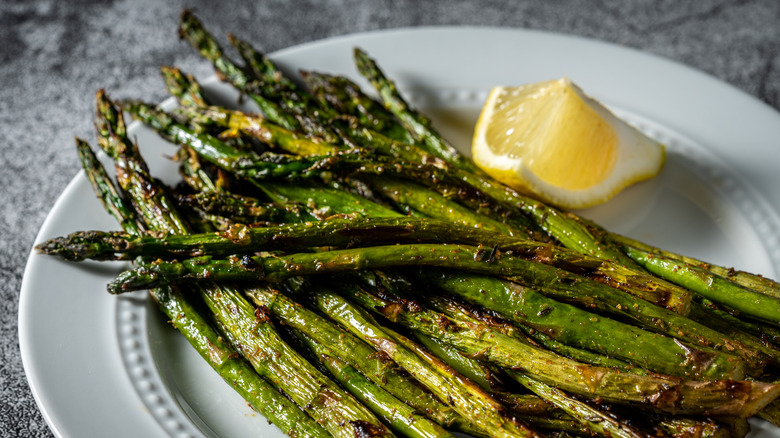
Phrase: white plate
(99,365)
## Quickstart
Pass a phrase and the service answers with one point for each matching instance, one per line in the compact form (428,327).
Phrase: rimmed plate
(100,365)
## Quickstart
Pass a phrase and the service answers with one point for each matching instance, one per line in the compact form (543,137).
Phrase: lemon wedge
(551,141)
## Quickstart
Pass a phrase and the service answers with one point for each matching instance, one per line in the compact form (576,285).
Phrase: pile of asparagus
(350,274)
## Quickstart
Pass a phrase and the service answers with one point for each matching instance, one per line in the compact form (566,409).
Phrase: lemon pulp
(550,140)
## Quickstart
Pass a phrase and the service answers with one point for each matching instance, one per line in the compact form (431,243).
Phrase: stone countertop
(55,55)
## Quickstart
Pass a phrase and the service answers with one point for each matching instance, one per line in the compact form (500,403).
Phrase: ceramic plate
(101,365)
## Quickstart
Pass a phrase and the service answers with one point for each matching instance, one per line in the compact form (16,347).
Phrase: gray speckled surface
(55,55)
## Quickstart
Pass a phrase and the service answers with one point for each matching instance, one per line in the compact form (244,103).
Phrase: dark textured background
(54,55)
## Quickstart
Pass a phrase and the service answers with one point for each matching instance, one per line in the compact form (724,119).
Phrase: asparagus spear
(675,426)
(465,396)
(746,301)
(752,281)
(104,188)
(184,87)
(591,419)
(567,229)
(346,97)
(343,233)
(240,163)
(251,124)
(660,353)
(246,210)
(274,84)
(265,130)
(187,90)
(706,397)
(212,347)
(261,66)
(335,232)
(266,95)
(470,313)
(251,331)
(417,124)
(748,333)
(505,297)
(208,343)
(248,330)
(376,367)
(435,205)
(401,417)
(191,29)
(471,368)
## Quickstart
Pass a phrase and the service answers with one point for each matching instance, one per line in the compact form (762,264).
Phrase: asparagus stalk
(748,333)
(280,87)
(104,188)
(251,331)
(246,210)
(417,124)
(261,66)
(471,368)
(650,391)
(340,233)
(346,97)
(250,124)
(376,367)
(660,353)
(674,426)
(335,233)
(254,337)
(435,205)
(470,313)
(567,229)
(591,419)
(749,280)
(191,29)
(238,162)
(274,104)
(194,174)
(465,396)
(207,342)
(213,348)
(714,287)
(265,130)
(184,87)
(506,298)
(401,417)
